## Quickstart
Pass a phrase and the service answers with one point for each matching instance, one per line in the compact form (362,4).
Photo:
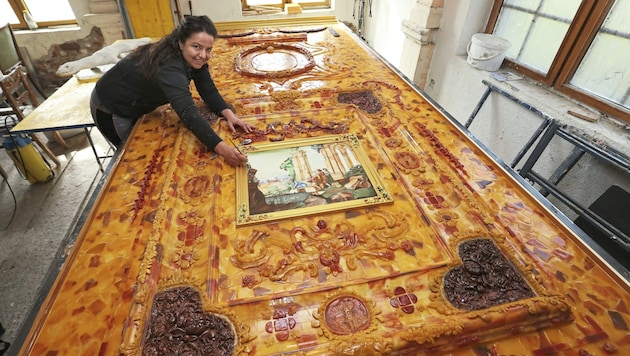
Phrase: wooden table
(455,254)
(67,108)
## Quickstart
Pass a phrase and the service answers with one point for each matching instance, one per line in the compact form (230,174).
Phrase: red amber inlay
(403,300)
(281,325)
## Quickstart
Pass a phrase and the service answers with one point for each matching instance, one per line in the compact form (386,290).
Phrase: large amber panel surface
(461,258)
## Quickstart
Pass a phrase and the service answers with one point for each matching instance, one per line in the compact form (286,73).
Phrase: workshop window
(580,48)
(262,6)
(45,12)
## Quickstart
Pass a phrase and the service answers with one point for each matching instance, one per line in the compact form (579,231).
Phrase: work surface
(366,223)
(66,108)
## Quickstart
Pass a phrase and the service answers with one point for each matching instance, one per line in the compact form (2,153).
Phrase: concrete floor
(36,239)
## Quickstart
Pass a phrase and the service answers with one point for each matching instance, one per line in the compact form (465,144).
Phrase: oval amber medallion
(347,315)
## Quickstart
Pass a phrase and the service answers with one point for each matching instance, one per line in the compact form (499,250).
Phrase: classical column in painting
(302,165)
(332,162)
(418,47)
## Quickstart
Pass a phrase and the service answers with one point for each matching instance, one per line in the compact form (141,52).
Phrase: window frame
(19,6)
(581,33)
(305,6)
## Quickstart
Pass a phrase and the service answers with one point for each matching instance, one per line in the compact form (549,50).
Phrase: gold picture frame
(294,178)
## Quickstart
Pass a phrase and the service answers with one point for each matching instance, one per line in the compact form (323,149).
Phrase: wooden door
(153,18)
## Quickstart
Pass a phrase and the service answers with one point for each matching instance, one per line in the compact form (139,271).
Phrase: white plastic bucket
(487,51)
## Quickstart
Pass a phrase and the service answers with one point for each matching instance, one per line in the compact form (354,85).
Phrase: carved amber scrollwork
(277,131)
(320,248)
(246,256)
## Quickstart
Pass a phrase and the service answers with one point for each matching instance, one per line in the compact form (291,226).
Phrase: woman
(160,73)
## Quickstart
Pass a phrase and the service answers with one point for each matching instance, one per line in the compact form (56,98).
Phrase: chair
(11,57)
(20,97)
(613,207)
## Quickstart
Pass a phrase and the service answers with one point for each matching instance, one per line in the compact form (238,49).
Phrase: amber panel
(464,260)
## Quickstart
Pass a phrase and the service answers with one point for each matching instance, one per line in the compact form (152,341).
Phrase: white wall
(383,30)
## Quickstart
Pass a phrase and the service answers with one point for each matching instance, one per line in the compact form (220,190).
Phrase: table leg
(98,159)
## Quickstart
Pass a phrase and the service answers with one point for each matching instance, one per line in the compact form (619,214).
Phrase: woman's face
(196,50)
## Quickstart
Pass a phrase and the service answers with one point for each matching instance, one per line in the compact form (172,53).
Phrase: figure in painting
(329,177)
(257,202)
(318,181)
(324,179)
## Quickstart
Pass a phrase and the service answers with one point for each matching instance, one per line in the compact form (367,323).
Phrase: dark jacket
(125,91)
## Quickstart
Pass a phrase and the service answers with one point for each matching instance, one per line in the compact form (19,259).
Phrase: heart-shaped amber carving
(484,279)
(180,326)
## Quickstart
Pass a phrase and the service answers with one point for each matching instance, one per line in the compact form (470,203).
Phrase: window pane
(263,2)
(543,41)
(604,71)
(303,3)
(536,29)
(50,10)
(525,4)
(7,14)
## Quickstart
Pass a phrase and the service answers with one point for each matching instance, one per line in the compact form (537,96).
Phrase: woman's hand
(234,121)
(230,154)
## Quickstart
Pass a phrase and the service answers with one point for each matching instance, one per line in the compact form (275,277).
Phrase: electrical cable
(5,176)
(23,175)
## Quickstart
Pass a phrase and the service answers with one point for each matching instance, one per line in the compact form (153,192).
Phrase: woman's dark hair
(153,54)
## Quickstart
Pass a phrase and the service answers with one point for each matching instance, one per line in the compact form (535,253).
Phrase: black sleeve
(175,84)
(208,91)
